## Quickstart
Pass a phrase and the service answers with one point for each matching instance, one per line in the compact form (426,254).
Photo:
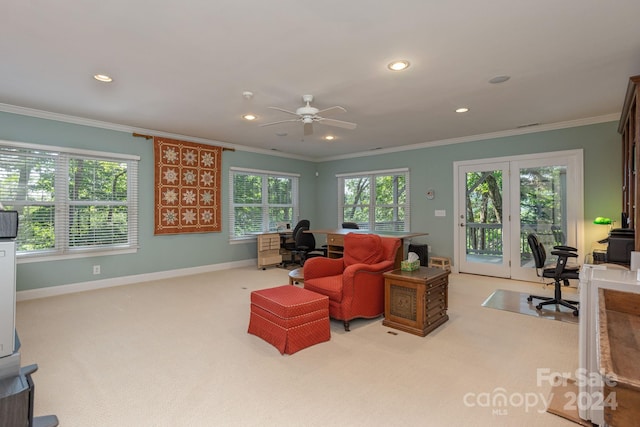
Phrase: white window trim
(375,173)
(294,198)
(55,254)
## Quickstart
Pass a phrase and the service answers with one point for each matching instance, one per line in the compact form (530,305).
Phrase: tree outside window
(376,201)
(261,201)
(67,201)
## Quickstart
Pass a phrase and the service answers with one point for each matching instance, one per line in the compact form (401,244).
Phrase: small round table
(296,276)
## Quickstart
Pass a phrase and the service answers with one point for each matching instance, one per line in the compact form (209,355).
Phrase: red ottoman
(289,317)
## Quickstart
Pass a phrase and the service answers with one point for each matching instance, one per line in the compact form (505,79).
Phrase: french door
(500,201)
(483,221)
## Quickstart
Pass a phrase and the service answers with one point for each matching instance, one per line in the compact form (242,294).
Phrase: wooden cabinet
(416,301)
(268,250)
(630,132)
(335,245)
(619,321)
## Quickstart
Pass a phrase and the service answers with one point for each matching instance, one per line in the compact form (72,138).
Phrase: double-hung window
(70,202)
(376,200)
(260,201)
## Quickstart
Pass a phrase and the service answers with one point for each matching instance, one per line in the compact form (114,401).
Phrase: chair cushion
(330,286)
(288,301)
(362,249)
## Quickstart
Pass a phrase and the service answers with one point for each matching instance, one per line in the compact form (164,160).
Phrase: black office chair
(290,244)
(306,247)
(350,225)
(560,273)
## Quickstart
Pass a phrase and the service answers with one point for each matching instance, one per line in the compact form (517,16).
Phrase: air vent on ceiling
(528,125)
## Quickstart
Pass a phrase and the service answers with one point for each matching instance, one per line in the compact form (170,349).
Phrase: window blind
(260,200)
(69,201)
(375,200)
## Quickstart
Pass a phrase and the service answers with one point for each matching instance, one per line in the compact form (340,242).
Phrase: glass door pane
(543,207)
(484,238)
(550,205)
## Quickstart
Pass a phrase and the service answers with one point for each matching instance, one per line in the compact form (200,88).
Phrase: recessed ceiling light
(249,117)
(499,79)
(398,65)
(103,78)
(462,110)
(329,137)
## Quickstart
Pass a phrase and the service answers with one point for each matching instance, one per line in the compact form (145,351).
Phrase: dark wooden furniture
(629,128)
(619,316)
(416,301)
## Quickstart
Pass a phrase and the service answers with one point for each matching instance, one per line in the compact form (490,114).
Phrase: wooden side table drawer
(416,301)
(435,300)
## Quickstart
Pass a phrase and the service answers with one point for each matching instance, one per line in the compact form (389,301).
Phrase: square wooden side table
(416,301)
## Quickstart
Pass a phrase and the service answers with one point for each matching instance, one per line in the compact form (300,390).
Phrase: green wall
(430,168)
(433,168)
(156,253)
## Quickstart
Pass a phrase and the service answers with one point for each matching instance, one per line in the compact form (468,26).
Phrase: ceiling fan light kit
(308,115)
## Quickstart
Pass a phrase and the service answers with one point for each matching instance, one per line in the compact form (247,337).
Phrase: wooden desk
(416,301)
(335,240)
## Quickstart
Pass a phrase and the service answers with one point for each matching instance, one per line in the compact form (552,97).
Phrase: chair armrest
(322,267)
(566,248)
(381,266)
(363,288)
(564,254)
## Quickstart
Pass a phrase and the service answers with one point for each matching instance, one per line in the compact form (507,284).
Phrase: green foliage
(389,197)
(97,193)
(542,195)
(256,195)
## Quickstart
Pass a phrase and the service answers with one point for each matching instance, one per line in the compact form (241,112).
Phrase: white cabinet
(7,296)
(268,250)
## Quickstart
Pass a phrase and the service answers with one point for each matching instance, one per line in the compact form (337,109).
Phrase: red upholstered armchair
(354,283)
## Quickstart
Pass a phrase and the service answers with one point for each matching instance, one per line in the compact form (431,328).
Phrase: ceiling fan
(308,115)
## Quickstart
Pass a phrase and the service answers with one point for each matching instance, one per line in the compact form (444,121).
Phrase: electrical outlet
(96,269)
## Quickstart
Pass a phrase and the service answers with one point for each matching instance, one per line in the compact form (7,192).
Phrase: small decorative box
(409,265)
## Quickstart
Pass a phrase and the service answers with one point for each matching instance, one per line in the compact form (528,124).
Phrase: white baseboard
(127,280)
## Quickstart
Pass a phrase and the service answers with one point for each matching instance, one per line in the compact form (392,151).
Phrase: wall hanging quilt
(187,187)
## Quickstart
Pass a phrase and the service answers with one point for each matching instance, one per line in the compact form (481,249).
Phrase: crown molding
(41,114)
(8,108)
(493,135)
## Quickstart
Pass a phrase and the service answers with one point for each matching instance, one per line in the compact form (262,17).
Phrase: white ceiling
(180,67)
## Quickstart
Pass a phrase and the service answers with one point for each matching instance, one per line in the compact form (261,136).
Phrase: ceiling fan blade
(332,110)
(280,121)
(308,129)
(283,110)
(337,123)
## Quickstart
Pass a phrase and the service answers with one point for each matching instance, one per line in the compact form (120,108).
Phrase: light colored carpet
(516,302)
(176,352)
